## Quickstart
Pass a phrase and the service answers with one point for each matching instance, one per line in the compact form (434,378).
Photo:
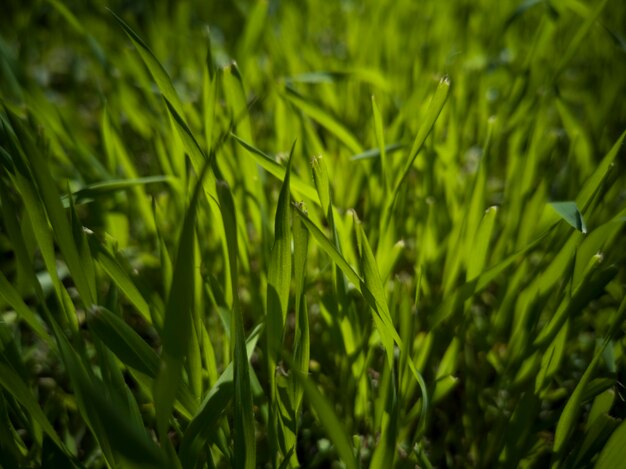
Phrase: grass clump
(277,234)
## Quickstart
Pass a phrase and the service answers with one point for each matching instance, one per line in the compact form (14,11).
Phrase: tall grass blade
(374,285)
(380,139)
(245,441)
(178,316)
(302,340)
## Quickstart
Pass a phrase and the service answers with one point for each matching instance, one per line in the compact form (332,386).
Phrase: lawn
(312,234)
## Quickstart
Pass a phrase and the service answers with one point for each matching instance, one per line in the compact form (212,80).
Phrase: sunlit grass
(367,234)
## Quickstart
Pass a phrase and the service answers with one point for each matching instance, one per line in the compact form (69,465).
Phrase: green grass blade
(478,255)
(325,119)
(570,213)
(322,185)
(275,169)
(330,249)
(190,143)
(202,427)
(54,209)
(13,384)
(380,139)
(25,269)
(43,237)
(571,412)
(155,68)
(374,285)
(552,357)
(613,454)
(109,423)
(567,422)
(432,114)
(580,36)
(123,341)
(279,269)
(177,321)
(245,442)
(594,182)
(278,285)
(592,286)
(374,153)
(302,341)
(122,279)
(329,420)
(109,186)
(13,298)
(385,452)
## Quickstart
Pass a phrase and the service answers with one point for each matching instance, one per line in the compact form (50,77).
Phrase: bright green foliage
(312,234)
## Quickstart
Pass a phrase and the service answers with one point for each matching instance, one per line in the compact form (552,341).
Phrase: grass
(345,234)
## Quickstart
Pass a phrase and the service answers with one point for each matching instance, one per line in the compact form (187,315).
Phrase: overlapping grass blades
(245,446)
(156,219)
(177,323)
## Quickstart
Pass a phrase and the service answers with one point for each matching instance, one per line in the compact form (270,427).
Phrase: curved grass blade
(155,68)
(50,198)
(350,273)
(43,237)
(13,298)
(434,109)
(15,386)
(192,147)
(374,153)
(123,341)
(330,249)
(103,188)
(570,213)
(122,279)
(275,169)
(353,277)
(375,286)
